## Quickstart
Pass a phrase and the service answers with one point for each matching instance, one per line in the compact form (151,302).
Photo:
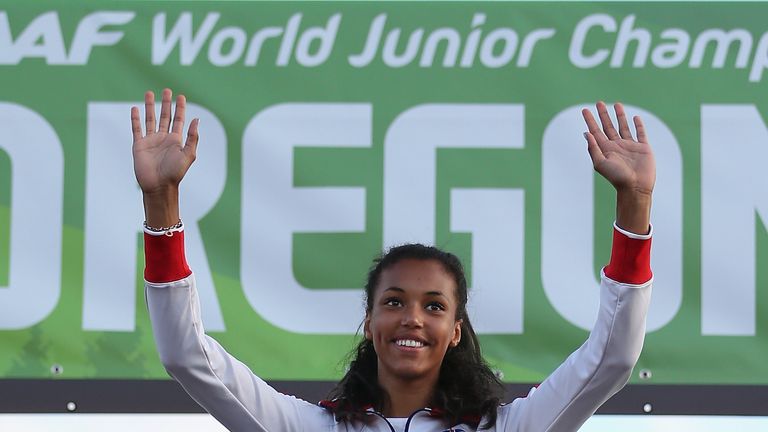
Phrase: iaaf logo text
(43,38)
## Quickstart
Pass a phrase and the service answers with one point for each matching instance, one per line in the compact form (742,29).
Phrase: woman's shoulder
(507,413)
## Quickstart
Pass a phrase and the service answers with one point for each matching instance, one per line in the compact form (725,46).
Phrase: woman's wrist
(161,207)
(633,210)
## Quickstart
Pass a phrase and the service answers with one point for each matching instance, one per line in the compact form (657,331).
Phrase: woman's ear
(456,334)
(367,327)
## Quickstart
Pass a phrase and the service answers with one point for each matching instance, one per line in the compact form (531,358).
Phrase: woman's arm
(603,364)
(221,384)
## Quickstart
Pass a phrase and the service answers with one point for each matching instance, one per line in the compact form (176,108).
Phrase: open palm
(628,164)
(159,159)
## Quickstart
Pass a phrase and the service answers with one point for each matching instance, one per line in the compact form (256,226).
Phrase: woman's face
(412,322)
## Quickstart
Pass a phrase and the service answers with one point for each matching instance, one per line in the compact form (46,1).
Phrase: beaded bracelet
(165,230)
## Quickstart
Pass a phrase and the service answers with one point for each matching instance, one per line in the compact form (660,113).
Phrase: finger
(621,118)
(595,153)
(190,146)
(149,112)
(165,111)
(592,125)
(178,119)
(640,128)
(136,124)
(605,119)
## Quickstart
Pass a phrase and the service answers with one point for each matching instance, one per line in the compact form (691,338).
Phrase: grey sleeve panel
(593,373)
(220,383)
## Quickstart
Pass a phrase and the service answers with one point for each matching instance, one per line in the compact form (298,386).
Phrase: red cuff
(164,258)
(630,260)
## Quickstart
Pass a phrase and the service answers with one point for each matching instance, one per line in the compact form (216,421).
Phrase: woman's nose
(412,317)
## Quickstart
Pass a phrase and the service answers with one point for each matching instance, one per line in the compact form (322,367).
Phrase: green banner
(330,131)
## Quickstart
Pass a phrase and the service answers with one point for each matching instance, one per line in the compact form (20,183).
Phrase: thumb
(193,136)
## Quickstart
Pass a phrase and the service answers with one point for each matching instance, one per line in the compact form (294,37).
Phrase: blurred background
(332,130)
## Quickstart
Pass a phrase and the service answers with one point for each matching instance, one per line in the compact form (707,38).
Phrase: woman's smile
(409,343)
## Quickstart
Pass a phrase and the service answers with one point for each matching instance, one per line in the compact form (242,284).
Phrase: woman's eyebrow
(428,293)
(394,288)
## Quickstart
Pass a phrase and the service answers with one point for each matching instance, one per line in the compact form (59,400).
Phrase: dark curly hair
(467,389)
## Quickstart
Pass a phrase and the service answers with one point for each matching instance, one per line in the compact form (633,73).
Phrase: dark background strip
(140,396)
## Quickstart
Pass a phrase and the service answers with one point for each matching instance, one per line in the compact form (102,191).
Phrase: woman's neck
(406,396)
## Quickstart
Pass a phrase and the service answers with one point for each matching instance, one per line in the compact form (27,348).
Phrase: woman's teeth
(409,343)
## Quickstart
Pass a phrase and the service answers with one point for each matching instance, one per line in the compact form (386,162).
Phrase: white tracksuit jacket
(243,402)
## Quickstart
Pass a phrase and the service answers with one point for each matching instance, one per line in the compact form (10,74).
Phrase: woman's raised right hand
(159,159)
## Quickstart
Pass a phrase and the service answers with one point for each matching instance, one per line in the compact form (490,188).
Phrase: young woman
(419,366)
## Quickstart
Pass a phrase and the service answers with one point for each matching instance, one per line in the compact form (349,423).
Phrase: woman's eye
(435,307)
(392,302)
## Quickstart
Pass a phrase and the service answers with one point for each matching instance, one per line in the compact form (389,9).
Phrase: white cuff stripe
(633,235)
